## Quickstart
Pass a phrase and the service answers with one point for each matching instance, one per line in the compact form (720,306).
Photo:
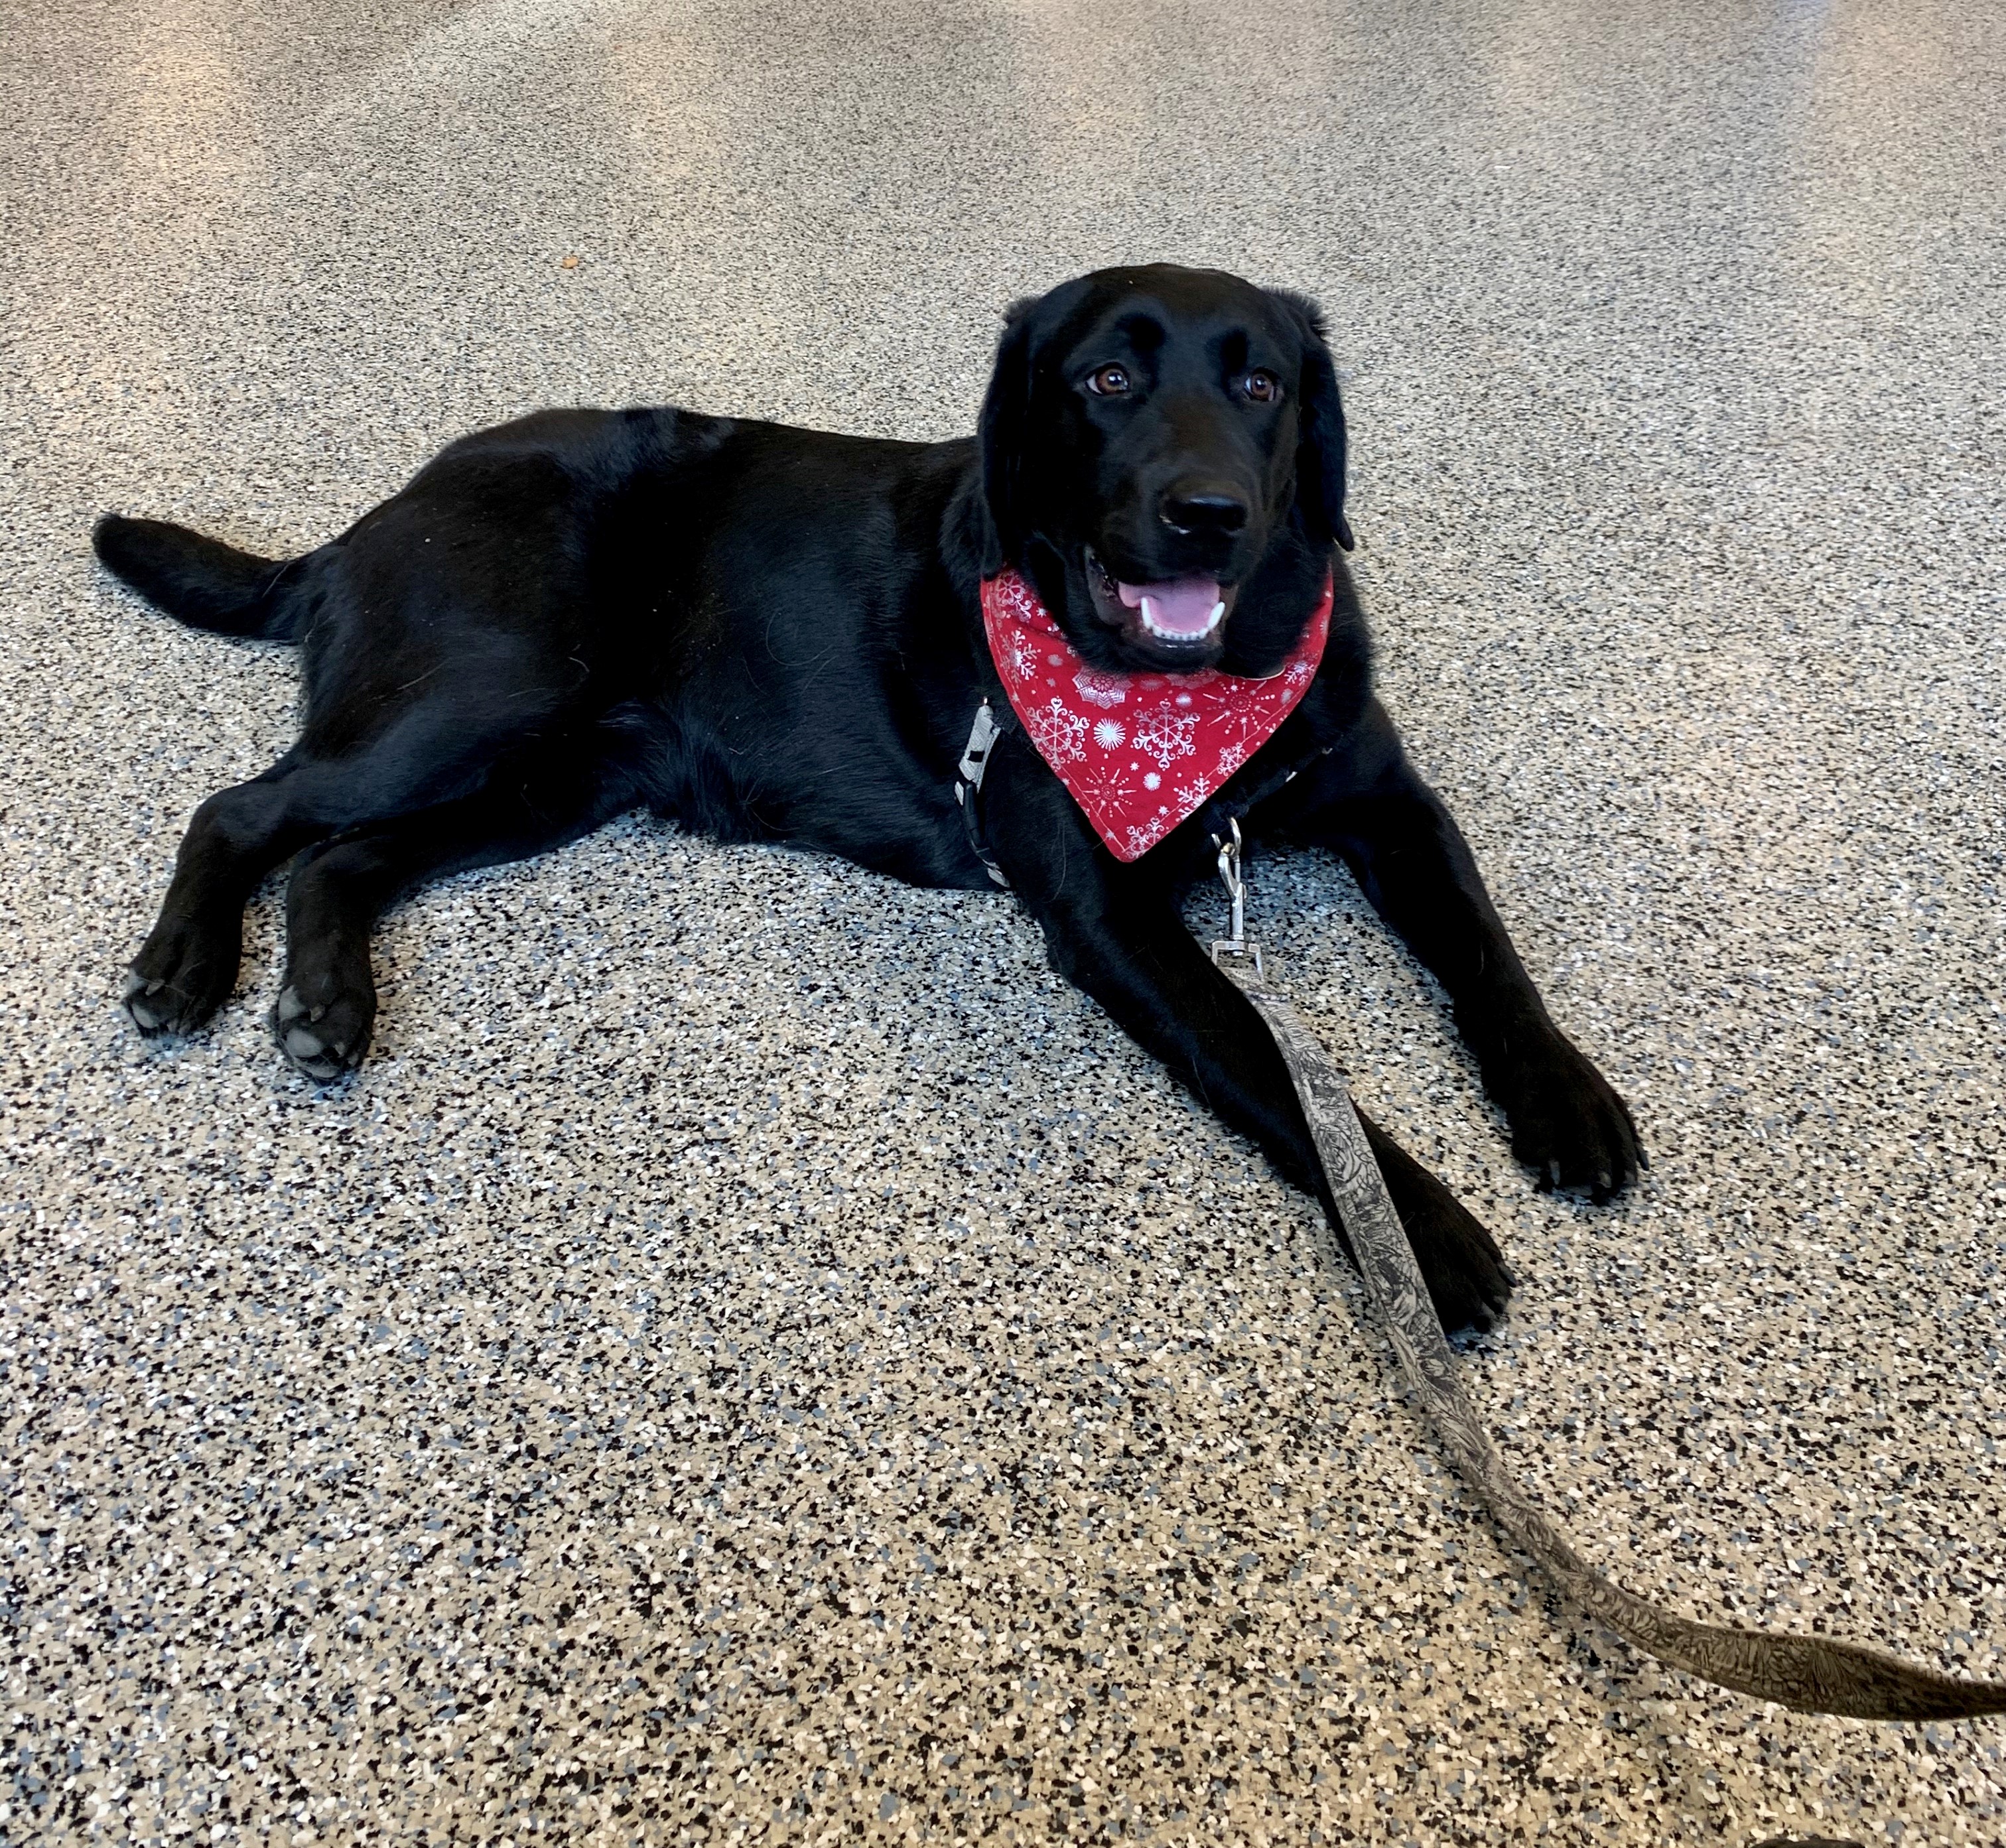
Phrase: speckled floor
(667,1397)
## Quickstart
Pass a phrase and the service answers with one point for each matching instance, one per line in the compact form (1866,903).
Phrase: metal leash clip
(1230,878)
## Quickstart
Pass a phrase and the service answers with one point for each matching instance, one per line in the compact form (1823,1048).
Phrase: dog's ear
(1002,436)
(1320,427)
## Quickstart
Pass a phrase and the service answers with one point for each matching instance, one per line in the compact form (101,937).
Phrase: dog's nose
(1202,507)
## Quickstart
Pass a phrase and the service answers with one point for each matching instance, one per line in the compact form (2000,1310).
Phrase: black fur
(206,584)
(774,635)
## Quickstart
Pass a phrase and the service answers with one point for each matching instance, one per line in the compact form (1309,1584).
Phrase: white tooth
(1155,628)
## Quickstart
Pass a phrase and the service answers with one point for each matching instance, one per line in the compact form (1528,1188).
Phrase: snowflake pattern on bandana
(1113,768)
(1165,733)
(1109,781)
(1056,732)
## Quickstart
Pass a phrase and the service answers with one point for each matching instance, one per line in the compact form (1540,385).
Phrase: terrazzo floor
(755,1358)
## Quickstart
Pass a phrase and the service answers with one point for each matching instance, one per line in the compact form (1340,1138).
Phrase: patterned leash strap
(1815,1674)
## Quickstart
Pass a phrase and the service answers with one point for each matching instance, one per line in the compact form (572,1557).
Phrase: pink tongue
(1182,606)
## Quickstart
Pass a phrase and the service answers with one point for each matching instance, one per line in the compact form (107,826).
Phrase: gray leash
(1814,1674)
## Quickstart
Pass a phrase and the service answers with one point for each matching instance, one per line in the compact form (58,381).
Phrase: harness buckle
(982,737)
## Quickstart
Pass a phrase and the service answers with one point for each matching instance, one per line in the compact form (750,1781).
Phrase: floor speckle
(754,1357)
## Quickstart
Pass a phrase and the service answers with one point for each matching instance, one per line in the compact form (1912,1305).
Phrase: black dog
(773,633)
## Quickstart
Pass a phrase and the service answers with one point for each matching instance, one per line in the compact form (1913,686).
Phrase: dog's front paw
(182,974)
(323,1025)
(1469,1281)
(1568,1125)
(1467,1277)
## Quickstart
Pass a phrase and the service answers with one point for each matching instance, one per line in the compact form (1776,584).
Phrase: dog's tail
(198,581)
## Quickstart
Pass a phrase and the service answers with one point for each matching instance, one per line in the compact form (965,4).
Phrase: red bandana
(1139,752)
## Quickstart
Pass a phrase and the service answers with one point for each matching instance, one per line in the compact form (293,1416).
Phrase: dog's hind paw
(146,1002)
(326,1039)
(178,980)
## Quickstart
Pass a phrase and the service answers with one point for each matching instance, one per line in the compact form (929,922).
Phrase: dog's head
(1163,455)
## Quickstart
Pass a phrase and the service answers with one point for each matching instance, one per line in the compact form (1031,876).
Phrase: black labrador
(772,634)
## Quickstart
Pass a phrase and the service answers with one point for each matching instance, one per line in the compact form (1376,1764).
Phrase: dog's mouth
(1178,619)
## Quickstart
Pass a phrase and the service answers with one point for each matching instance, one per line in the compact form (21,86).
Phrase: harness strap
(1812,1674)
(1221,818)
(1218,817)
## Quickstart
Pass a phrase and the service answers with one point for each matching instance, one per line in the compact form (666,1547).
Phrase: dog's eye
(1110,381)
(1263,387)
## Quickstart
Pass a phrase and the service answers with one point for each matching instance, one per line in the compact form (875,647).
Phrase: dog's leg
(1411,860)
(188,963)
(371,752)
(1115,932)
(338,889)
